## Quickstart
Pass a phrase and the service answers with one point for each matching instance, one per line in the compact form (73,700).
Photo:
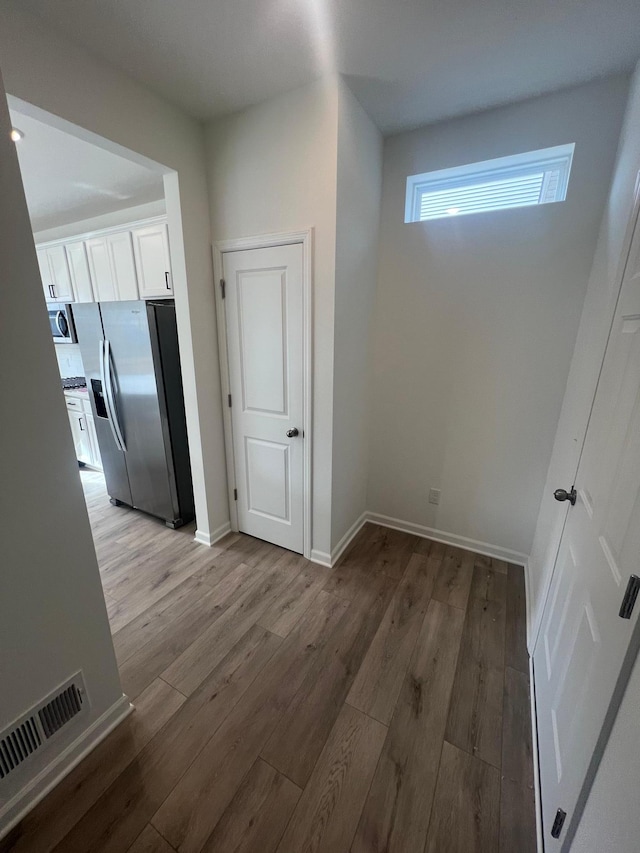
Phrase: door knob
(564,495)
(292,433)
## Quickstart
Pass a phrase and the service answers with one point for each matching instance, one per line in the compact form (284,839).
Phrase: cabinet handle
(166,281)
(80,422)
(50,290)
(53,290)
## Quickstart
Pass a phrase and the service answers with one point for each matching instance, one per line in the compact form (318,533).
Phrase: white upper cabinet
(79,269)
(104,286)
(54,272)
(112,267)
(118,263)
(151,248)
(123,264)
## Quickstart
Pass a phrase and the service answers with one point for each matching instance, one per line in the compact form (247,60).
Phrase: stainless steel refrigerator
(132,366)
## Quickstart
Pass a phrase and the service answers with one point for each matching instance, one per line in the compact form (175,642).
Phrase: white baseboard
(448,538)
(210,539)
(320,557)
(325,559)
(61,765)
(536,764)
(344,543)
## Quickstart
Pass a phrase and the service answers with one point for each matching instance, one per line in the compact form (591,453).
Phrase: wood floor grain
(466,812)
(381,706)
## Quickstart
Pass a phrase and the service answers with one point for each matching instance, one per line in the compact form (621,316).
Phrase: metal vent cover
(40,723)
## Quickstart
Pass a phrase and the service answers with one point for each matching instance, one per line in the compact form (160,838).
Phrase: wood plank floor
(281,707)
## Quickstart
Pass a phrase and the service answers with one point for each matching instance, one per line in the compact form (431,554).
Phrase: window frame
(486,171)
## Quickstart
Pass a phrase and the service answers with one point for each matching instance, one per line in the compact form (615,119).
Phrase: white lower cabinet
(83,430)
(81,437)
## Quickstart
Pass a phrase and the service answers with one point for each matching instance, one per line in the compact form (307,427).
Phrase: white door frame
(303,237)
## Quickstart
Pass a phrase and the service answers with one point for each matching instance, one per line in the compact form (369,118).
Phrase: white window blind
(521,180)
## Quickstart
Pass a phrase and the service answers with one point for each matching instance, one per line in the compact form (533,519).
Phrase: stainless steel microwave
(61,322)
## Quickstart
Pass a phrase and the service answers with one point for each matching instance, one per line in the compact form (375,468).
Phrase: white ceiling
(67,179)
(409,61)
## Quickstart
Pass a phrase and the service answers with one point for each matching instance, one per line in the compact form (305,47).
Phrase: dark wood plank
(517,655)
(517,801)
(487,583)
(475,715)
(454,577)
(189,815)
(394,548)
(297,741)
(189,669)
(150,841)
(287,609)
(56,815)
(327,815)
(379,680)
(114,822)
(258,814)
(395,817)
(466,808)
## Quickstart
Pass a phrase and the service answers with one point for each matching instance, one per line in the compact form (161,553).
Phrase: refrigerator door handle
(106,387)
(115,424)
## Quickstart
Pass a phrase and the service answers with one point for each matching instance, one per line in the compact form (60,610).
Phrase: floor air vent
(31,732)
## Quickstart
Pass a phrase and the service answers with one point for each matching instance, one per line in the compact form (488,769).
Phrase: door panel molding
(304,237)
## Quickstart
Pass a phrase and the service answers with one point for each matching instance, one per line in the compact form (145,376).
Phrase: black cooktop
(74,382)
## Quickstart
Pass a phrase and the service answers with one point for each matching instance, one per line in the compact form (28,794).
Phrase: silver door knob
(292,433)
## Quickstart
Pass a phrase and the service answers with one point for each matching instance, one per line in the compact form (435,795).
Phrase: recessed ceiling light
(16,135)
(453,210)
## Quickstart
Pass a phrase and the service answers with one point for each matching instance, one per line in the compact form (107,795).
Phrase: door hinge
(223,288)
(235,494)
(558,823)
(229,399)
(629,598)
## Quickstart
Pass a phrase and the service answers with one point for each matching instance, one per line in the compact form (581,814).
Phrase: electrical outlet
(434,496)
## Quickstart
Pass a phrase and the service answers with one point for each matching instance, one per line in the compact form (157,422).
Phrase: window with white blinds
(521,180)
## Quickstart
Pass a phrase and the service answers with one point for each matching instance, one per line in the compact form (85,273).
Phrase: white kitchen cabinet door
(96,461)
(123,265)
(102,277)
(79,270)
(81,437)
(54,272)
(62,288)
(45,275)
(153,263)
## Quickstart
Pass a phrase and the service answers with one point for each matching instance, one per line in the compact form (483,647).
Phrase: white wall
(359,180)
(476,320)
(596,319)
(272,168)
(53,620)
(44,69)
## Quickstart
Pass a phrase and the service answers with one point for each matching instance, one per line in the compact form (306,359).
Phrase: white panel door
(583,640)
(81,437)
(102,277)
(151,249)
(79,269)
(264,314)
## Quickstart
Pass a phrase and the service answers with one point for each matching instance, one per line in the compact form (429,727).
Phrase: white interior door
(264,316)
(583,640)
